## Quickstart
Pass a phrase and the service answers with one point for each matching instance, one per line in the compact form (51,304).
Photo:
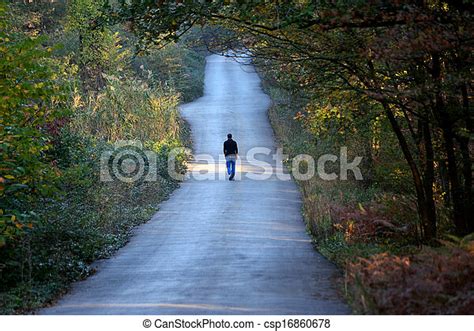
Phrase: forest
(69,91)
(389,80)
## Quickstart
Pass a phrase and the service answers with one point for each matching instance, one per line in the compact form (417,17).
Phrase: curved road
(217,247)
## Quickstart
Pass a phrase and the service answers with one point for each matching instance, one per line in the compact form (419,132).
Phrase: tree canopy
(413,59)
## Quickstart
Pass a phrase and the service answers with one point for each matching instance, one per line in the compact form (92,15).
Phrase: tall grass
(86,219)
(180,67)
(371,231)
(128,109)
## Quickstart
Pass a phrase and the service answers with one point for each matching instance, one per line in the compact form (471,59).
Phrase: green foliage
(61,110)
(31,94)
(180,67)
(98,49)
(339,251)
(83,13)
(466,242)
(87,220)
(128,109)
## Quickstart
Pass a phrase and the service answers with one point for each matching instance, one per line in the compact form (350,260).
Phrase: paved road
(217,247)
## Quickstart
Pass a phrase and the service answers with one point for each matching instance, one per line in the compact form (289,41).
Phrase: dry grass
(437,281)
(373,234)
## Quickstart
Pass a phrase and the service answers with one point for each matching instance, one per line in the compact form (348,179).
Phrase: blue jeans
(230,163)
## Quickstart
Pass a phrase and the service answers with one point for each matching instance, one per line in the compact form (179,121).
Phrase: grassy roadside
(370,233)
(61,217)
(84,220)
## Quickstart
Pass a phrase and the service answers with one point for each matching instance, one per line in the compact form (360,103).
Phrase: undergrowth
(59,133)
(372,231)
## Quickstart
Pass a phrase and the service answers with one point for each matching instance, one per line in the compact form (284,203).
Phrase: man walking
(230,152)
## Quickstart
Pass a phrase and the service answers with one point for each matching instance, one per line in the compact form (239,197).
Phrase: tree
(99,50)
(413,58)
(31,93)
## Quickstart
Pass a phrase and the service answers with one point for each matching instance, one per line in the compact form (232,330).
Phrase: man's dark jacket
(230,147)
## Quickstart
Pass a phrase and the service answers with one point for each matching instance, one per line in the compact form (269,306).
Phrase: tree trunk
(446,125)
(425,208)
(464,142)
(425,204)
(428,179)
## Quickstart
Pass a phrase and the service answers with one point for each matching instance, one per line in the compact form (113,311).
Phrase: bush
(56,216)
(181,68)
(85,220)
(433,281)
(372,231)
(32,97)
(127,109)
